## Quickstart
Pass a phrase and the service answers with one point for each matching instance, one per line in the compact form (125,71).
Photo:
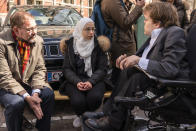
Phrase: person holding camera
(120,20)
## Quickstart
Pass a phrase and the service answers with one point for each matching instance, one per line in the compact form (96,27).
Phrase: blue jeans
(14,108)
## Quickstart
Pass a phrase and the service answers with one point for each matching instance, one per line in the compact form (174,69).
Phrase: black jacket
(191,54)
(98,63)
(182,15)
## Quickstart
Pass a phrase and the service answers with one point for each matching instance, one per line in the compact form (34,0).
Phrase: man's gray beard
(31,39)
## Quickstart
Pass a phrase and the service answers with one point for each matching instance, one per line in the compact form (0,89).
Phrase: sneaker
(77,122)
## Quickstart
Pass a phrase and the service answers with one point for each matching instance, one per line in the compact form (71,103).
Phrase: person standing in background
(120,20)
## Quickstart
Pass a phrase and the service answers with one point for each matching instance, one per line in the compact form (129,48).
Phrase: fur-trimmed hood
(186,4)
(103,42)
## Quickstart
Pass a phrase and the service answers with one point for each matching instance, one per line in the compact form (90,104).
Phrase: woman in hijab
(85,67)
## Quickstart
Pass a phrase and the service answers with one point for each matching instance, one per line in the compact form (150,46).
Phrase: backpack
(101,27)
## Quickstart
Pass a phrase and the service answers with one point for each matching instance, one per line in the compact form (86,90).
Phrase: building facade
(85,7)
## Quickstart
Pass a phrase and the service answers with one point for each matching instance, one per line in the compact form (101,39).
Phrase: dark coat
(118,18)
(182,15)
(191,54)
(192,19)
(98,63)
(167,56)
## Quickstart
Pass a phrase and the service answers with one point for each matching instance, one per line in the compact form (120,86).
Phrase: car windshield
(54,16)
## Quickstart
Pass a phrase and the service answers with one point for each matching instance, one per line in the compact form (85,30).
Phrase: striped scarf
(24,50)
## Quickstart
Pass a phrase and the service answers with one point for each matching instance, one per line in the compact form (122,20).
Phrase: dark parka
(98,62)
(191,54)
(181,7)
(192,19)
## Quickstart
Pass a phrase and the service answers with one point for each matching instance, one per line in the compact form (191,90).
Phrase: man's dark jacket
(167,56)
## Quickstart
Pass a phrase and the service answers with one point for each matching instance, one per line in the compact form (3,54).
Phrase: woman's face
(88,31)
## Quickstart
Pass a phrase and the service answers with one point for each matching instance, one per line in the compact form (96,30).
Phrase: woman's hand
(87,85)
(80,86)
(83,86)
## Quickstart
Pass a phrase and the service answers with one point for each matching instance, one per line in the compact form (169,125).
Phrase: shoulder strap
(123,5)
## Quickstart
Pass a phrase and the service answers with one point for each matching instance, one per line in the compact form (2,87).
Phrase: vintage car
(54,23)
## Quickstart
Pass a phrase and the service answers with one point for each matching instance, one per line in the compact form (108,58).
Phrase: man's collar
(156,32)
(10,39)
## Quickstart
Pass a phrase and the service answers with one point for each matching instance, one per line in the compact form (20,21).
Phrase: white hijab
(83,47)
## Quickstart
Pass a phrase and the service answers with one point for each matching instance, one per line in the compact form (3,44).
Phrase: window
(54,50)
(69,1)
(91,4)
(39,2)
(29,2)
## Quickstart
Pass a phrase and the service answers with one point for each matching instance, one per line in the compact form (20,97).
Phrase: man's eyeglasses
(30,29)
(90,29)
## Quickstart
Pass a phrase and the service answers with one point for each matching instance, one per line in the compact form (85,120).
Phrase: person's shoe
(98,124)
(77,122)
(96,115)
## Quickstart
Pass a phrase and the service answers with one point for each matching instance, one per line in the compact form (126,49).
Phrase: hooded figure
(85,68)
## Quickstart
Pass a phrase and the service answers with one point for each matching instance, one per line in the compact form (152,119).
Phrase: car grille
(51,50)
(45,52)
(52,55)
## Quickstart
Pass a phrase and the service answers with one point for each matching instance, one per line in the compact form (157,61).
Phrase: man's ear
(15,29)
(158,24)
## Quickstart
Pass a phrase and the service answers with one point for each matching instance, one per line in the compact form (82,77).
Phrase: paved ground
(61,120)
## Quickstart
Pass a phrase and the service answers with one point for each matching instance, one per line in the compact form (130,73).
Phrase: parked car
(54,23)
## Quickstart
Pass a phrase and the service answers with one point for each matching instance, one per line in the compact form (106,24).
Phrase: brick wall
(3,6)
